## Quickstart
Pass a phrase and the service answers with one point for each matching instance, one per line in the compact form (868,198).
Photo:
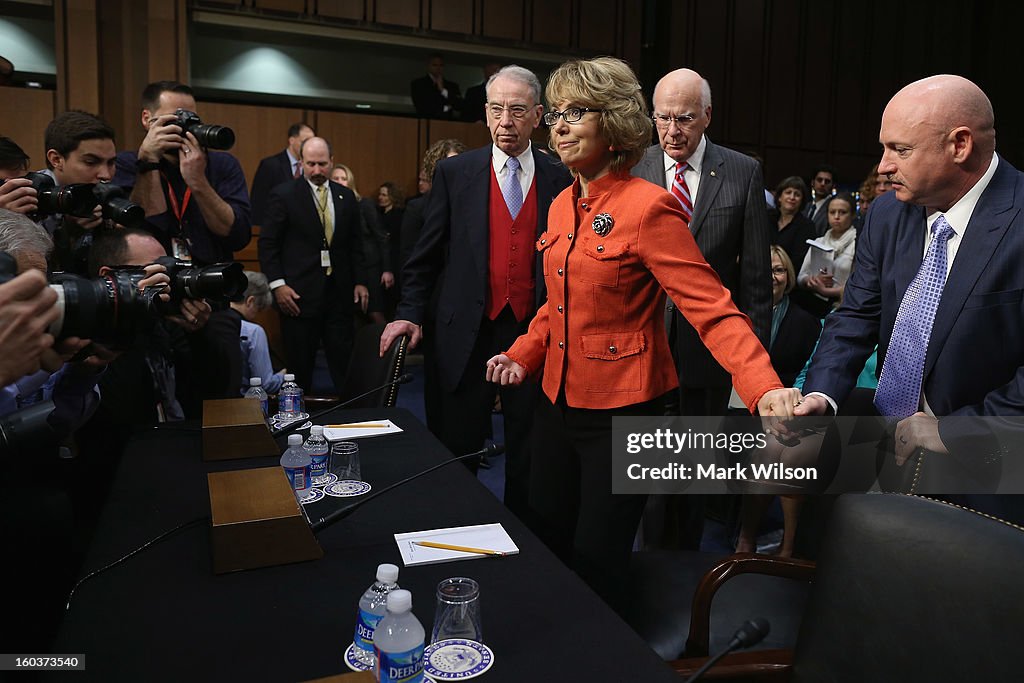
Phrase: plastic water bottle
(296,463)
(398,642)
(290,401)
(372,608)
(319,453)
(257,394)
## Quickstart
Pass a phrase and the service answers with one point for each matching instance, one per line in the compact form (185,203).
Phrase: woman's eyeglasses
(571,115)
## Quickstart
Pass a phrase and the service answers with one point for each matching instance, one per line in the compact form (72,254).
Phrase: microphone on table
(751,633)
(403,379)
(338,515)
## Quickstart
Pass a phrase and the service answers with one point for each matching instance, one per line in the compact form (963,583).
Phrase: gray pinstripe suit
(730,224)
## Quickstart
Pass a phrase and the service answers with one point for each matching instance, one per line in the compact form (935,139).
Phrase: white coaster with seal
(456,659)
(353,662)
(324,479)
(311,495)
(347,488)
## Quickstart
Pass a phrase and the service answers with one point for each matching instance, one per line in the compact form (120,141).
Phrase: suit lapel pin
(603,224)
(713,174)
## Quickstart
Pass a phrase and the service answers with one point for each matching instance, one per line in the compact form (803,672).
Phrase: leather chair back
(367,369)
(909,589)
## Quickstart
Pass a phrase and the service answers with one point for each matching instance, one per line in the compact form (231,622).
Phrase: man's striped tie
(681,191)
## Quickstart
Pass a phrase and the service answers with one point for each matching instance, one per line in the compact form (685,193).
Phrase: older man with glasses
(722,193)
(486,209)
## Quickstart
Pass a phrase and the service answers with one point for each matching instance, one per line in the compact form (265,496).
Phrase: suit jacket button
(613,349)
(600,248)
(561,345)
(543,241)
(559,309)
(559,271)
(570,235)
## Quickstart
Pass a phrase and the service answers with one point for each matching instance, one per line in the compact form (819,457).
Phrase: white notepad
(485,536)
(356,430)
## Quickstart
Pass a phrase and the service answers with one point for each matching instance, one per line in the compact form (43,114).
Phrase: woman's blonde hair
(609,84)
(351,179)
(788,263)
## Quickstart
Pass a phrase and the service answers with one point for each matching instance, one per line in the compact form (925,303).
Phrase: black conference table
(164,615)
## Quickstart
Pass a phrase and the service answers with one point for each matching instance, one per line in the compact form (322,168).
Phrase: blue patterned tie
(512,190)
(899,386)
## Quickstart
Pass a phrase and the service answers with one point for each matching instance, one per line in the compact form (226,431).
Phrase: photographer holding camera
(171,365)
(196,201)
(73,195)
(79,149)
(66,373)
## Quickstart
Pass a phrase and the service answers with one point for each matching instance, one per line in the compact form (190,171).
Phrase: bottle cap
(295,439)
(399,601)
(255,381)
(289,377)
(387,573)
(318,430)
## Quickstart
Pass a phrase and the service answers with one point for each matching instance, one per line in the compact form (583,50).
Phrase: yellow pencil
(465,549)
(359,425)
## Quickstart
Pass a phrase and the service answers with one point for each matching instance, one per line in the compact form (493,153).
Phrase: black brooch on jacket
(603,224)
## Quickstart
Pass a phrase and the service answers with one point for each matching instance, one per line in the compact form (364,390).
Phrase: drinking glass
(345,460)
(458,610)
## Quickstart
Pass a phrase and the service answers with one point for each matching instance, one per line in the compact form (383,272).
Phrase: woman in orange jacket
(613,246)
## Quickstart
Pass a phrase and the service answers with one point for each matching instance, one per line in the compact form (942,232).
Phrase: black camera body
(112,310)
(208,134)
(79,199)
(76,199)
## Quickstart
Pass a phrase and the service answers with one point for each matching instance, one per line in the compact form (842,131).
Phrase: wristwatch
(144,166)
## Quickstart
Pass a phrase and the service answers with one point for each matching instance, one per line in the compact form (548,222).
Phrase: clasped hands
(918,431)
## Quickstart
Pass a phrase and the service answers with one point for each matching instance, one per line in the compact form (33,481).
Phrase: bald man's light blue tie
(899,386)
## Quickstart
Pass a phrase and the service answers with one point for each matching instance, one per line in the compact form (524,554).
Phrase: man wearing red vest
(473,276)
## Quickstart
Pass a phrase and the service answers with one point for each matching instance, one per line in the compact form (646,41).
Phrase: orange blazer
(603,325)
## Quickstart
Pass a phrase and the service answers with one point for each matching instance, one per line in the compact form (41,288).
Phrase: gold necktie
(325,216)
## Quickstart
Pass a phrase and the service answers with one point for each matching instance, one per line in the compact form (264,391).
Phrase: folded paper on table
(486,536)
(358,430)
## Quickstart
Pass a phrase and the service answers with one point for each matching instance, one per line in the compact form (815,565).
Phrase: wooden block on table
(256,521)
(234,428)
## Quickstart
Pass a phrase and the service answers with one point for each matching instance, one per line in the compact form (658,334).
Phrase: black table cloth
(164,615)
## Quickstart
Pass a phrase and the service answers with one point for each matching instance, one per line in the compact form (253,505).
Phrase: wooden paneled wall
(377,148)
(798,82)
(587,26)
(24,113)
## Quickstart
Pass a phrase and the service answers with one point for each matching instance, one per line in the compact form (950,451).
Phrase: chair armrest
(740,563)
(761,666)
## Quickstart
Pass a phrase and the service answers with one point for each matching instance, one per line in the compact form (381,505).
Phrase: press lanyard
(179,212)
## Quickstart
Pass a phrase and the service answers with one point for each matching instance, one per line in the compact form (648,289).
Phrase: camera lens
(221,281)
(117,207)
(109,309)
(213,136)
